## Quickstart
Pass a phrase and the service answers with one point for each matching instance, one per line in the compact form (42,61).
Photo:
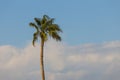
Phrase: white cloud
(88,61)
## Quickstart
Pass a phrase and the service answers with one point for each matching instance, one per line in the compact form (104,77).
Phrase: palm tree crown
(45,27)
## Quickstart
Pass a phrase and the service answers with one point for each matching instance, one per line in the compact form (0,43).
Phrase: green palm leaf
(35,37)
(38,21)
(45,27)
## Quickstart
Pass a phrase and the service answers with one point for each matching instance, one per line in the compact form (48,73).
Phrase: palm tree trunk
(41,60)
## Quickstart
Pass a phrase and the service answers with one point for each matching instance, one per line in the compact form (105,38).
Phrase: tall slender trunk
(42,60)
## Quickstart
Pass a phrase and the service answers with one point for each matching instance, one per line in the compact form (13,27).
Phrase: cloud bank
(62,62)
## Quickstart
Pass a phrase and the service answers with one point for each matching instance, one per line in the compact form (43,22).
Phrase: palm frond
(54,27)
(55,35)
(35,37)
(50,21)
(34,25)
(46,16)
(44,20)
(38,21)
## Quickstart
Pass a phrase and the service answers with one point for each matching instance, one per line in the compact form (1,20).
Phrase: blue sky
(90,48)
(83,21)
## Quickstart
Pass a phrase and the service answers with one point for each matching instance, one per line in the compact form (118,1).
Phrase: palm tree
(45,28)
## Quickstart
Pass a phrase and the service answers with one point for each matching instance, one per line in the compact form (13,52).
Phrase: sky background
(82,21)
(91,31)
